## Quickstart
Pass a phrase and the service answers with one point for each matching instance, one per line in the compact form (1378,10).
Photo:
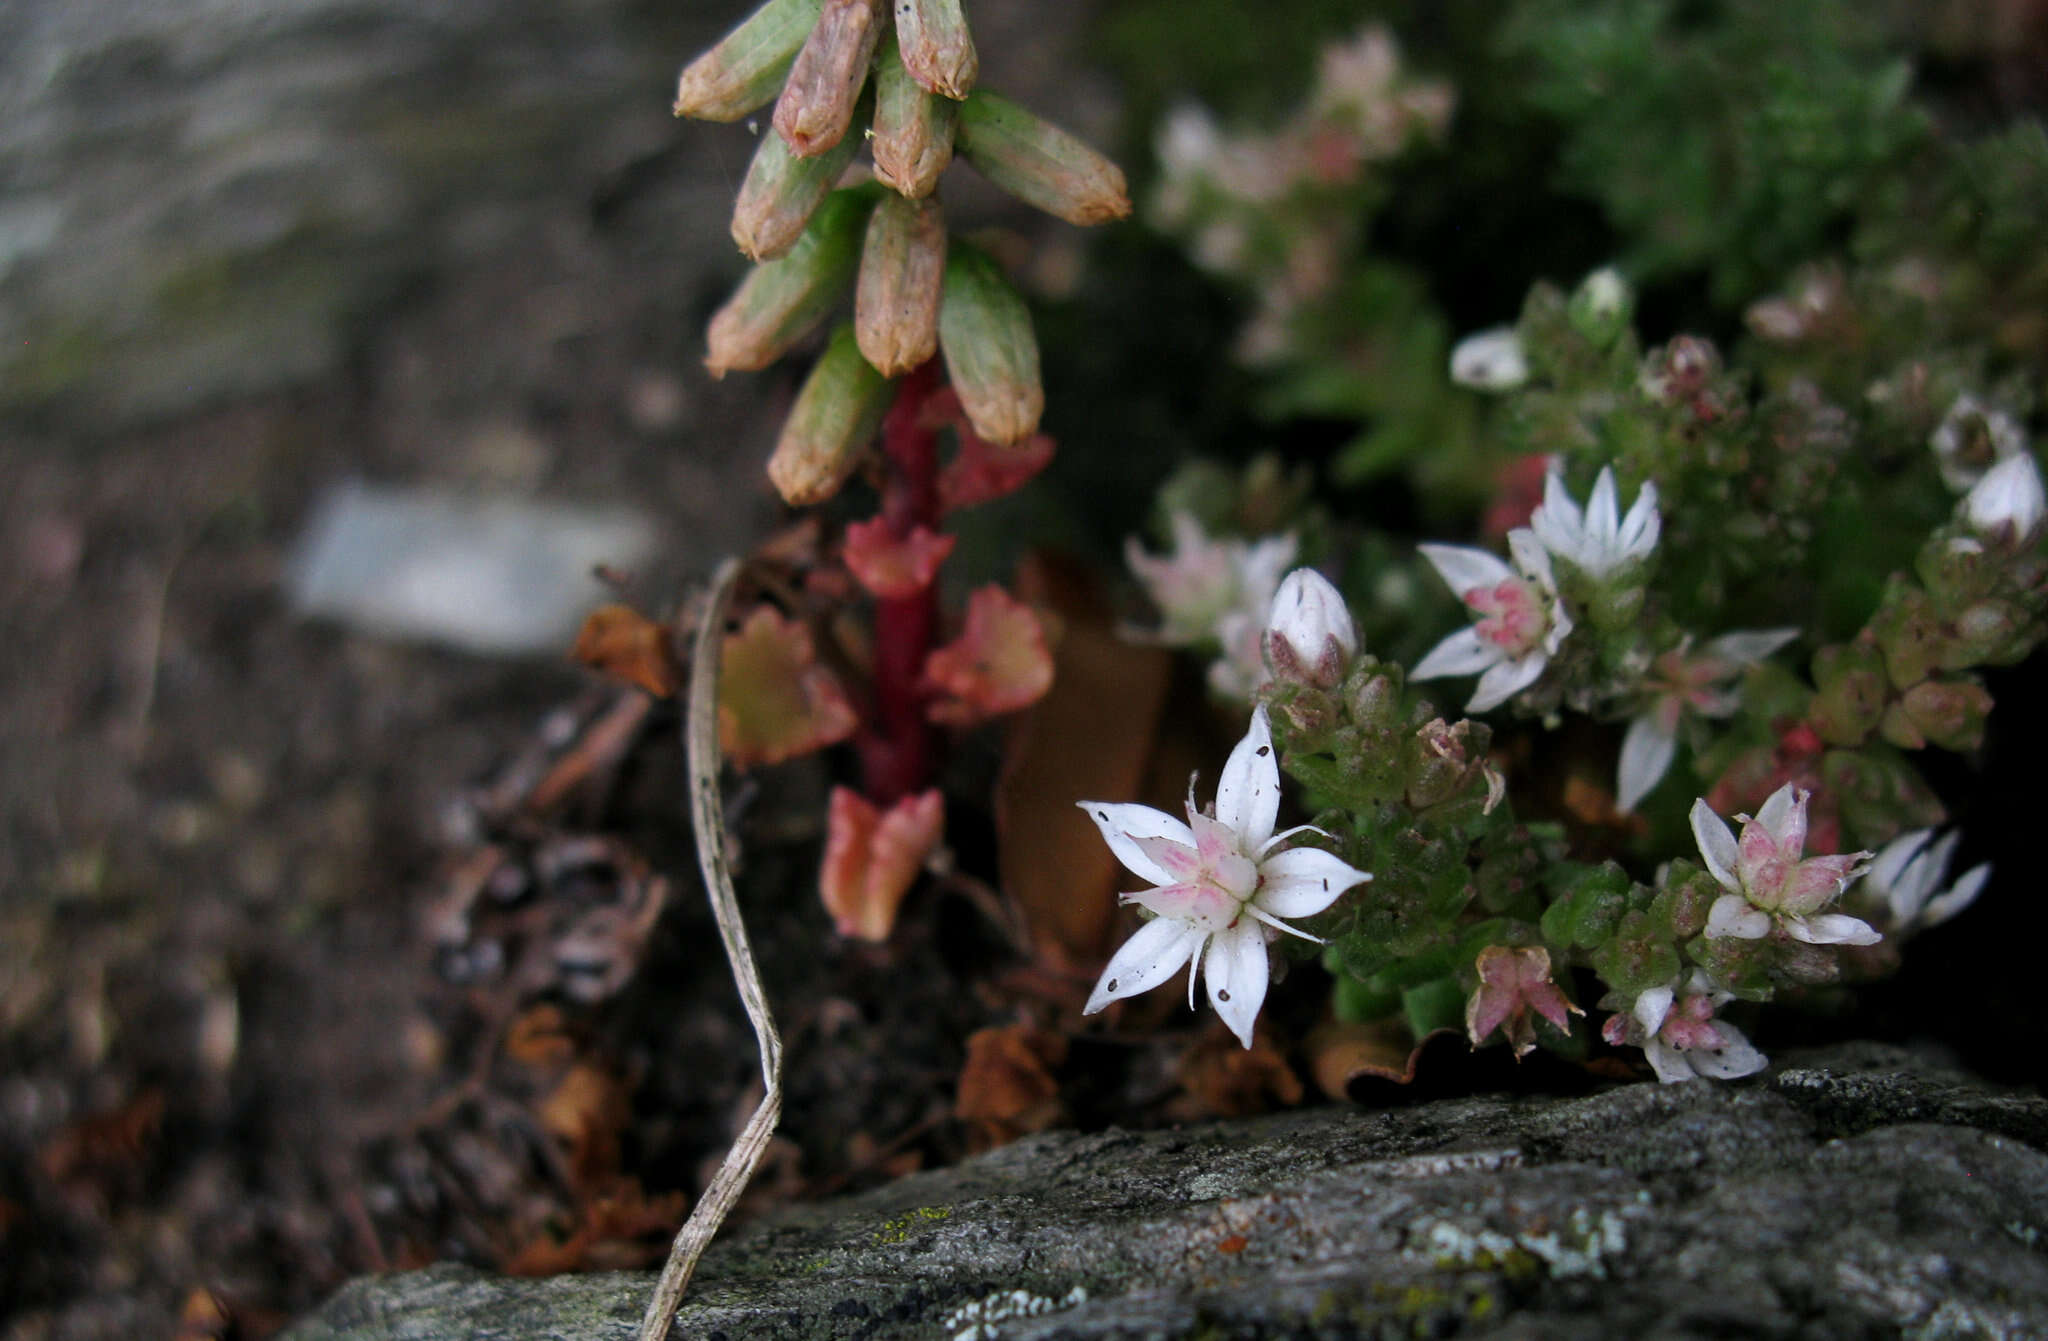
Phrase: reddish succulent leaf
(1091,736)
(998,664)
(626,645)
(872,858)
(891,567)
(774,700)
(981,471)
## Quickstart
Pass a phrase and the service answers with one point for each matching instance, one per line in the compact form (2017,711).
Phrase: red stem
(898,747)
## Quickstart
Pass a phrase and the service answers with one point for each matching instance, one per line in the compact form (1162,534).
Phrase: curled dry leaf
(1345,1058)
(1007,1088)
(1223,1078)
(618,1229)
(998,664)
(892,566)
(619,641)
(872,857)
(775,701)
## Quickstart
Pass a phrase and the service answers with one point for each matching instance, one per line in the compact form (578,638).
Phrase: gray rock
(1862,1192)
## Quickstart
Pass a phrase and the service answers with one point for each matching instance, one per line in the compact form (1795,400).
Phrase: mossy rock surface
(1861,1191)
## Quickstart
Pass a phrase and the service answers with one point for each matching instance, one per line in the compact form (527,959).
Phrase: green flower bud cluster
(906,71)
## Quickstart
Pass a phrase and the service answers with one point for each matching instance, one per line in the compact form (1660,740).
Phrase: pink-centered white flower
(1770,885)
(1521,622)
(1220,886)
(1684,681)
(1215,591)
(1599,541)
(1905,874)
(1681,1038)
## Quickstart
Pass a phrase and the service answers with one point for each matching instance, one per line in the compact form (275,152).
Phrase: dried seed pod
(816,106)
(781,193)
(749,63)
(991,351)
(782,301)
(828,428)
(913,139)
(937,49)
(902,269)
(1039,163)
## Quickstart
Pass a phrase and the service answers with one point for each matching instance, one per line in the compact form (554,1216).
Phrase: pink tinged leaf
(1160,949)
(1733,916)
(1463,568)
(1831,929)
(1717,845)
(1123,823)
(1735,1056)
(1463,653)
(1171,855)
(1303,881)
(893,567)
(1505,680)
(980,472)
(998,664)
(1248,793)
(1815,882)
(1550,1003)
(1647,749)
(1614,1030)
(1237,971)
(873,857)
(774,700)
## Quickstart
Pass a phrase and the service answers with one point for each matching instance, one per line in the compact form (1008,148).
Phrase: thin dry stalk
(700,737)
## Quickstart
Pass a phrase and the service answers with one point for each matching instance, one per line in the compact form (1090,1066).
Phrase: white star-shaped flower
(1217,881)
(1521,622)
(1768,883)
(1905,874)
(1683,681)
(1681,1037)
(1598,541)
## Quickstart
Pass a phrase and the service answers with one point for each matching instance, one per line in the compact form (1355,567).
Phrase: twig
(700,727)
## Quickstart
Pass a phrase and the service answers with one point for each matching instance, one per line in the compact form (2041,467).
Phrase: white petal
(1464,568)
(1603,512)
(1668,1062)
(1121,822)
(1303,881)
(1959,896)
(1248,793)
(1735,1057)
(1261,570)
(1651,1008)
(1534,560)
(1732,916)
(1158,951)
(1831,929)
(1463,653)
(1646,753)
(1641,527)
(1748,646)
(1557,522)
(1717,844)
(1781,812)
(1505,680)
(1490,360)
(1237,971)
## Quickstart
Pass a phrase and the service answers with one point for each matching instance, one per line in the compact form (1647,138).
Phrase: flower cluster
(1215,593)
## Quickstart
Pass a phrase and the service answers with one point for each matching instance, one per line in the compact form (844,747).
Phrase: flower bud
(830,425)
(937,50)
(1909,632)
(816,106)
(749,63)
(1603,306)
(781,193)
(1948,713)
(1039,163)
(2007,505)
(991,352)
(1492,360)
(913,139)
(902,268)
(1310,638)
(1851,692)
(782,301)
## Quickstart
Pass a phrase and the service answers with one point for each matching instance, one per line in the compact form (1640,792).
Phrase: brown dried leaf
(1346,1058)
(619,641)
(1089,737)
(585,1114)
(1007,1089)
(619,1229)
(1223,1078)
